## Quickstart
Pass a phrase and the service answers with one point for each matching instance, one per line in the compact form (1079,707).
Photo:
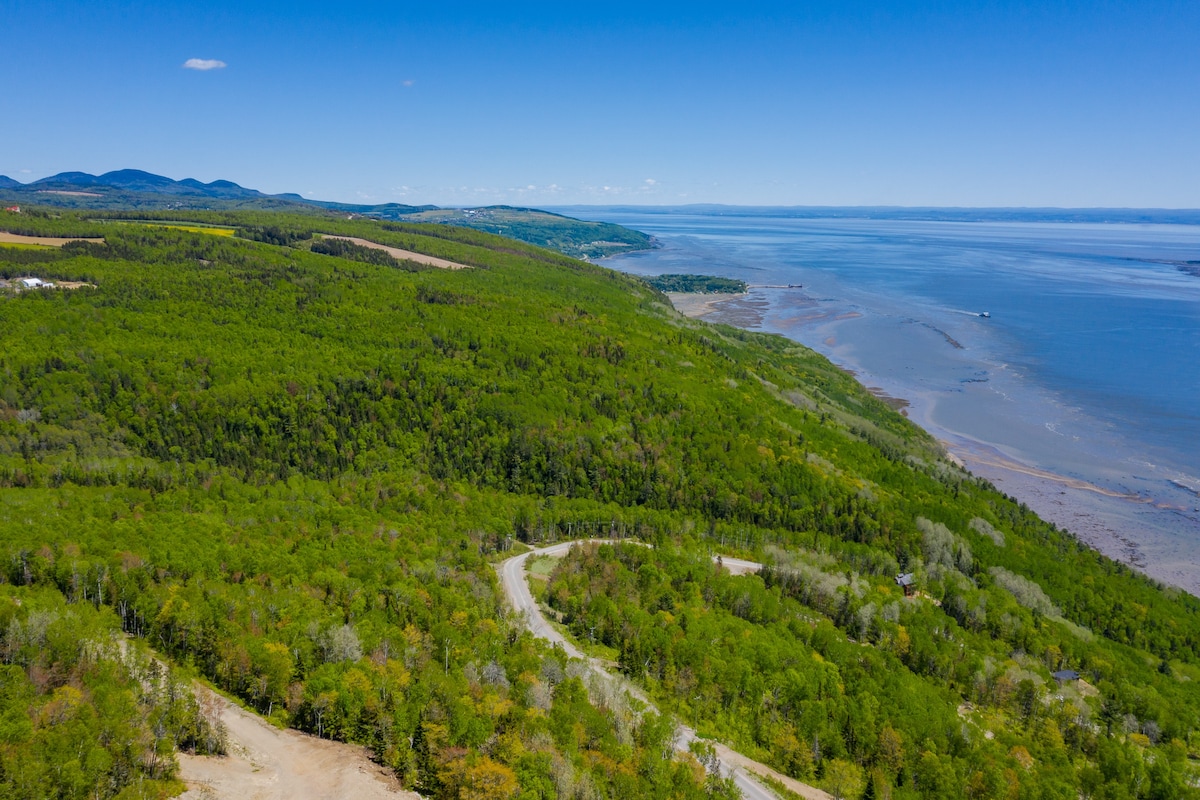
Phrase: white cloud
(650,181)
(203,64)
(409,82)
(605,191)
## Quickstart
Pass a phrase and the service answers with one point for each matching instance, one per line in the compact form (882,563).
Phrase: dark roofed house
(1065,676)
(907,582)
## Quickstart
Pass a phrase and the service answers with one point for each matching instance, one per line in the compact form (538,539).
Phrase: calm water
(1089,366)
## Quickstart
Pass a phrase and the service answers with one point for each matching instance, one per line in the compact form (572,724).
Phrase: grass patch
(542,566)
(25,246)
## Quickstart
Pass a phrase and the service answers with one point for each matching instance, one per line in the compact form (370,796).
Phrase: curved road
(516,588)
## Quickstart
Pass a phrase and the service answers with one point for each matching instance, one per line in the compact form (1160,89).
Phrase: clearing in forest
(45,241)
(265,763)
(402,255)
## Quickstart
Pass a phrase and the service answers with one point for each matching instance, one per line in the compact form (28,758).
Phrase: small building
(30,283)
(14,209)
(907,581)
(1065,676)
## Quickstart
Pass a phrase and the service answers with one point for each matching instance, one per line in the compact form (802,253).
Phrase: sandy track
(403,255)
(516,588)
(50,241)
(265,763)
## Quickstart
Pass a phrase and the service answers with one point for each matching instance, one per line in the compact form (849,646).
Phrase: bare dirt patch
(265,763)
(47,241)
(70,194)
(54,191)
(403,255)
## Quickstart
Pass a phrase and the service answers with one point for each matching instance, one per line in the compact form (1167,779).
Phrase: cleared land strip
(403,255)
(47,241)
(265,763)
(516,589)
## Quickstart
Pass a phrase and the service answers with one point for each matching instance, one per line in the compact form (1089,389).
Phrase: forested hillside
(292,471)
(123,190)
(573,237)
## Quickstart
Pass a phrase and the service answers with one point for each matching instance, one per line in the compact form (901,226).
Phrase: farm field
(43,241)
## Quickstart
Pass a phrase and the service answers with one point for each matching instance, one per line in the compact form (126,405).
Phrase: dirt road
(516,588)
(403,255)
(265,763)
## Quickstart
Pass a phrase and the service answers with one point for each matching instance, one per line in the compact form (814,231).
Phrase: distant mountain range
(136,190)
(125,188)
(133,180)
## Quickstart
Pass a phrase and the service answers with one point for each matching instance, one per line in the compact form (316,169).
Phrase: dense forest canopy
(709,284)
(291,472)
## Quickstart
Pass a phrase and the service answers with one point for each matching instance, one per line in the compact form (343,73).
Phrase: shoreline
(1091,513)
(741,310)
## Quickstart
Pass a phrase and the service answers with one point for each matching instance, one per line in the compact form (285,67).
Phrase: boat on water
(985,314)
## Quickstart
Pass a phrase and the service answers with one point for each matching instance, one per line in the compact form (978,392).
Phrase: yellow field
(199,229)
(212,230)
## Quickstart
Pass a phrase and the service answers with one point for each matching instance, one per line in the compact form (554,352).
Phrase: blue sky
(847,103)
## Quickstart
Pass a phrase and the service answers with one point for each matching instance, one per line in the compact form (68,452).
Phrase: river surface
(1079,395)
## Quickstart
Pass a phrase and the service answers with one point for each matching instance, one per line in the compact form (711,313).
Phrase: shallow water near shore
(1078,395)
